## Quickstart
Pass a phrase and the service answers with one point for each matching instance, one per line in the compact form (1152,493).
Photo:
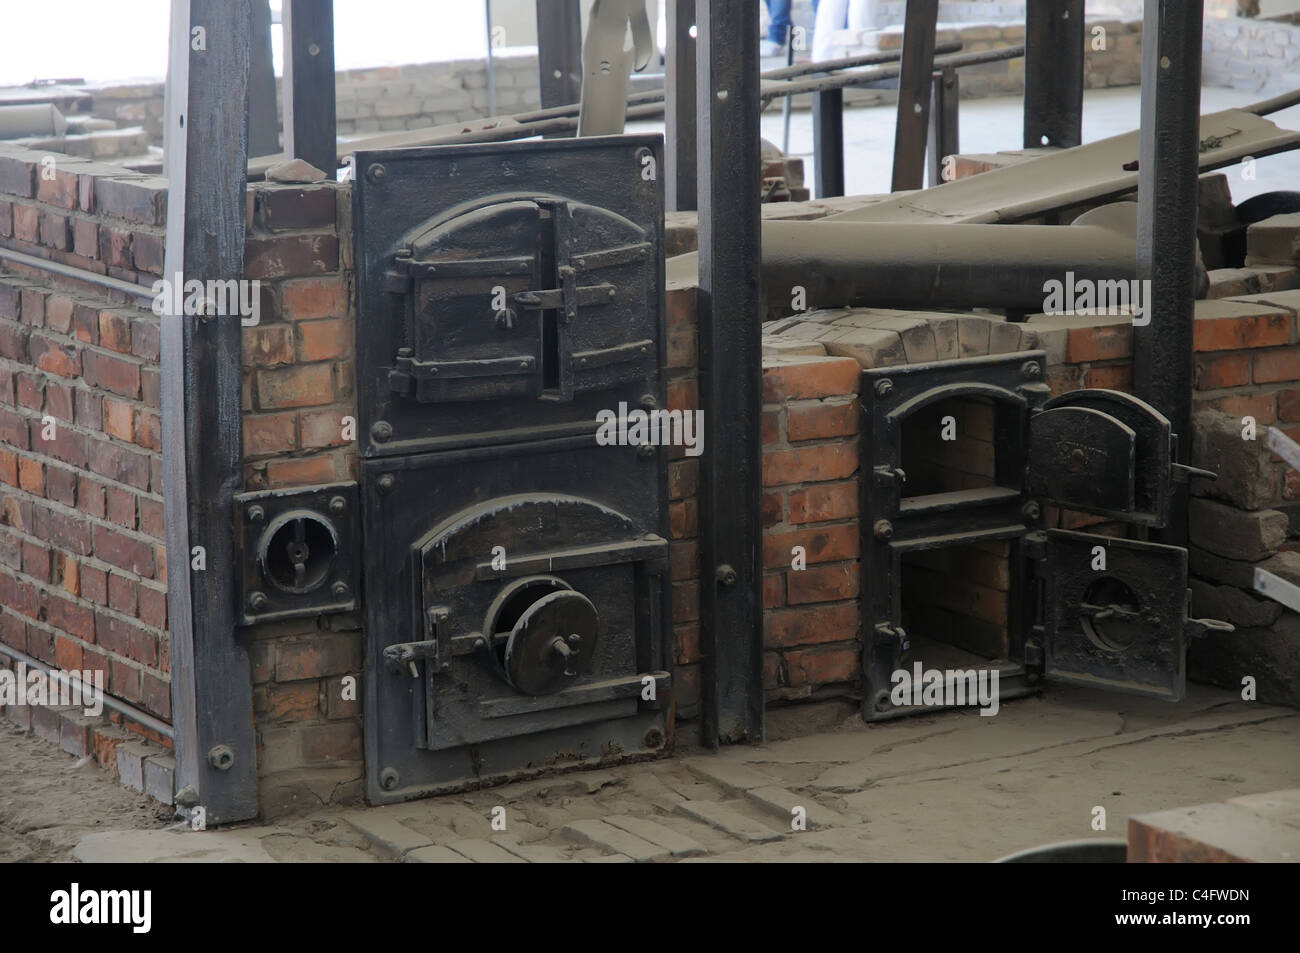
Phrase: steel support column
(206,157)
(559,52)
(679,120)
(945,130)
(1167,190)
(1054,41)
(310,125)
(828,142)
(731,611)
(263,123)
(913,121)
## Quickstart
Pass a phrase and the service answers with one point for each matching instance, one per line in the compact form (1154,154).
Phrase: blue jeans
(779,11)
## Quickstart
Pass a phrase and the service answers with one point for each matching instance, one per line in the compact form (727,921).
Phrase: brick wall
(82,565)
(298,398)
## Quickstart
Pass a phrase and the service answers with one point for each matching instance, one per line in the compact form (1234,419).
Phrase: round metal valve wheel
(551,642)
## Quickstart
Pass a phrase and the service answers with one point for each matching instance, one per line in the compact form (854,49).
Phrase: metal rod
(491,66)
(867,77)
(731,613)
(785,105)
(111,703)
(1053,73)
(1167,201)
(67,271)
(912,121)
(849,62)
(1269,106)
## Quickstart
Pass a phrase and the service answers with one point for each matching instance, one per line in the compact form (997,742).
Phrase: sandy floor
(49,800)
(953,786)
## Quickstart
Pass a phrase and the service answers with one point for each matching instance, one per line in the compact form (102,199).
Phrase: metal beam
(1054,73)
(679,120)
(263,122)
(310,123)
(912,123)
(206,154)
(559,52)
(945,129)
(1167,189)
(731,609)
(828,143)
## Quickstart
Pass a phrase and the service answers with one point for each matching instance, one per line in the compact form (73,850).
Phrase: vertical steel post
(731,609)
(1054,41)
(828,142)
(263,122)
(1167,200)
(559,52)
(310,123)
(917,66)
(945,130)
(679,108)
(203,454)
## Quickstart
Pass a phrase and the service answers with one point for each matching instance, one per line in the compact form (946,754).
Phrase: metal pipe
(111,703)
(848,62)
(867,77)
(1269,106)
(68,271)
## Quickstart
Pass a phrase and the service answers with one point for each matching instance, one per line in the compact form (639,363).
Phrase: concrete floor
(995,124)
(953,786)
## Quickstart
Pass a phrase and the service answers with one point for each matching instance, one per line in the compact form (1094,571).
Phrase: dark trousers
(779,11)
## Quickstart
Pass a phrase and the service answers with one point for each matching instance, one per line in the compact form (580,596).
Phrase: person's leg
(779,11)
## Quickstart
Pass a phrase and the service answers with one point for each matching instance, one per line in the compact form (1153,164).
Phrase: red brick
(679,303)
(1227,334)
(823,666)
(268,345)
(301,472)
(1111,377)
(822,584)
(85,323)
(1277,364)
(31,476)
(151,516)
(826,544)
(684,519)
(60,529)
(115,331)
(153,606)
(822,420)
(6,219)
(148,430)
(322,428)
(686,644)
(61,485)
(149,251)
(1105,343)
(684,559)
(810,464)
(67,445)
(56,186)
(71,617)
(36,560)
(771,434)
(121,507)
(119,419)
(29,391)
(67,654)
(773,590)
(773,509)
(317,656)
(337,741)
(56,230)
(683,395)
(286,207)
(683,479)
(270,433)
(145,342)
(94,585)
(1259,406)
(290,256)
(133,198)
(8,467)
(58,313)
(310,298)
(1213,373)
(125,552)
(810,626)
(120,463)
(53,357)
(85,238)
(124,681)
(293,701)
(815,377)
(156,695)
(307,385)
(1288,405)
(116,374)
(686,601)
(122,593)
(90,496)
(1291,485)
(27,223)
(115,246)
(324,340)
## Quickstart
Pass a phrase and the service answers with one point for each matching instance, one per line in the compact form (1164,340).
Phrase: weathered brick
(305,385)
(307,299)
(324,340)
(823,666)
(116,374)
(1233,533)
(141,199)
(810,464)
(270,433)
(318,656)
(821,545)
(285,207)
(1231,370)
(290,255)
(27,223)
(822,420)
(123,551)
(810,625)
(1100,343)
(1277,364)
(268,345)
(810,377)
(1226,334)
(56,230)
(119,463)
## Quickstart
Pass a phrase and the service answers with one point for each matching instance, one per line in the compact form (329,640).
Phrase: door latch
(404,655)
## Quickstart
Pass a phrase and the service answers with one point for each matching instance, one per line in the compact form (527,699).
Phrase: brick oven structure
(330,648)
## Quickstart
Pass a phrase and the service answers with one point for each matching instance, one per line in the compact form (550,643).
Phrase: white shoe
(767,48)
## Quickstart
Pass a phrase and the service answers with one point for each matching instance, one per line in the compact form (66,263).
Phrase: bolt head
(883,530)
(339,589)
(338,505)
(1031,510)
(726,575)
(257,601)
(256,514)
(376,173)
(381,431)
(386,483)
(884,387)
(1031,370)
